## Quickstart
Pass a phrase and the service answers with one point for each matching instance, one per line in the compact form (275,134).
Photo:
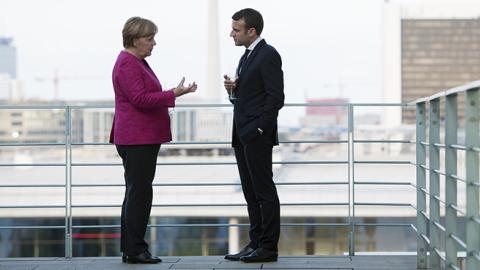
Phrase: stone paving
(374,262)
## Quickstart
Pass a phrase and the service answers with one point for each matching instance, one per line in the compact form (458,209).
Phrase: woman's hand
(181,90)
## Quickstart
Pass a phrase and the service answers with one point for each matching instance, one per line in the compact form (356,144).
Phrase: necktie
(243,60)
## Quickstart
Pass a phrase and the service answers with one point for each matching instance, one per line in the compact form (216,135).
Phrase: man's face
(240,34)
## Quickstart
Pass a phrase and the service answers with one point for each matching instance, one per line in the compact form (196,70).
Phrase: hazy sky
(322,43)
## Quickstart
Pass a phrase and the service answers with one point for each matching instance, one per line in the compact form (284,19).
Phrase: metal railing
(431,250)
(350,164)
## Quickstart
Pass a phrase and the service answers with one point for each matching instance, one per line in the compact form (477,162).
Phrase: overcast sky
(329,47)
(322,43)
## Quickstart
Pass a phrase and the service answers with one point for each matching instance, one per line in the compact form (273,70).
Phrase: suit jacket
(141,106)
(260,96)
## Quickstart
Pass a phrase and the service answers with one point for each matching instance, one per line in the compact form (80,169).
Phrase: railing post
(451,129)
(434,180)
(351,181)
(68,175)
(472,139)
(422,221)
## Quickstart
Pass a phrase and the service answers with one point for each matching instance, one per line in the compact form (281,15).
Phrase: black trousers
(139,162)
(254,161)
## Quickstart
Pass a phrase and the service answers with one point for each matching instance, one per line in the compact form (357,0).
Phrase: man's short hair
(252,18)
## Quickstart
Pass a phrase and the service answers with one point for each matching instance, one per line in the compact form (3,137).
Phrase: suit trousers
(139,162)
(254,162)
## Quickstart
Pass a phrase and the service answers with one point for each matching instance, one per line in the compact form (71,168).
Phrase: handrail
(447,252)
(70,144)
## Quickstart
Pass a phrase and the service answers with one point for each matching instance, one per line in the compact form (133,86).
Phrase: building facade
(428,47)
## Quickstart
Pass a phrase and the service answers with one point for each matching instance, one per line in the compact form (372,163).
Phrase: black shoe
(124,258)
(144,257)
(260,255)
(244,252)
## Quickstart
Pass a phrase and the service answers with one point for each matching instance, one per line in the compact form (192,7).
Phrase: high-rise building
(8,57)
(428,47)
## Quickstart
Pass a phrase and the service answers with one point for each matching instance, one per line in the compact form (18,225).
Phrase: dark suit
(259,91)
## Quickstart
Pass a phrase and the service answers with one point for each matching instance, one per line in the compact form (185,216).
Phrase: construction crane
(56,80)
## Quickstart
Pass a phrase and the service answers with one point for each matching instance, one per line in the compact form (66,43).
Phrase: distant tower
(213,62)
(10,87)
(8,58)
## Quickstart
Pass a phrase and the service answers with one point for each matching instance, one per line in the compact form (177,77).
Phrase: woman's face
(144,45)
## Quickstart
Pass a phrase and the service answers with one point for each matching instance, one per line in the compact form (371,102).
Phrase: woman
(141,124)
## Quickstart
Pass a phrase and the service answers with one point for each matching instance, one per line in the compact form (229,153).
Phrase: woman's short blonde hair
(137,27)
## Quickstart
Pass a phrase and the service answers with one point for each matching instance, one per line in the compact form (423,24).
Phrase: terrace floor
(359,262)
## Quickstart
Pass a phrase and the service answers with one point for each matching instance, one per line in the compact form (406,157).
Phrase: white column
(214,77)
(233,236)
(392,83)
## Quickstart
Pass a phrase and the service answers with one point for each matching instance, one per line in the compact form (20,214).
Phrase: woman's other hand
(181,90)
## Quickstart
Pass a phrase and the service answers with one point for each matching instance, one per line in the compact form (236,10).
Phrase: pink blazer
(141,106)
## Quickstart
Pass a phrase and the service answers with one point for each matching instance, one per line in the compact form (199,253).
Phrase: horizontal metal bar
(206,205)
(424,143)
(451,265)
(476,255)
(458,240)
(424,214)
(382,141)
(476,220)
(31,144)
(425,238)
(32,165)
(216,225)
(312,141)
(211,163)
(213,184)
(31,186)
(458,178)
(31,227)
(438,225)
(439,253)
(201,105)
(455,207)
(436,197)
(30,206)
(211,143)
(384,224)
(439,145)
(316,104)
(382,204)
(382,183)
(439,172)
(381,162)
(38,107)
(458,147)
(380,104)
(475,184)
(448,92)
(475,149)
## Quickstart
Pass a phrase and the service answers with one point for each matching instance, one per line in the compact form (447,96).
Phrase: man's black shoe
(260,255)
(124,258)
(144,257)
(244,252)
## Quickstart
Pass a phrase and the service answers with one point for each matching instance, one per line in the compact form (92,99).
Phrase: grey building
(8,57)
(438,54)
(427,47)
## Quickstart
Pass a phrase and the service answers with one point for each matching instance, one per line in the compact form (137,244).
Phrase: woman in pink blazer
(141,124)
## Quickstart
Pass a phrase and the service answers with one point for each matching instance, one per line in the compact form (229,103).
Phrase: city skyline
(322,41)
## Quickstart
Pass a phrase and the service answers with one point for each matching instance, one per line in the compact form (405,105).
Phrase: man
(259,96)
